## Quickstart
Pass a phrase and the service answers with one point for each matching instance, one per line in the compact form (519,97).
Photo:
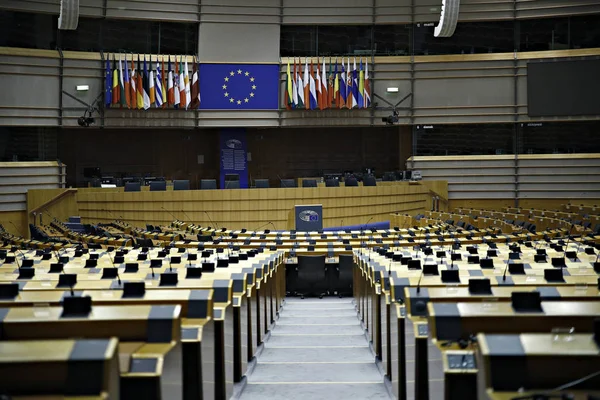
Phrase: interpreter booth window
(28,30)
(469,38)
(560,33)
(391,40)
(559,137)
(298,41)
(464,139)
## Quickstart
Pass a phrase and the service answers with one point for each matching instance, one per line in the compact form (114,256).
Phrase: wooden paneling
(62,209)
(15,222)
(250,208)
(551,179)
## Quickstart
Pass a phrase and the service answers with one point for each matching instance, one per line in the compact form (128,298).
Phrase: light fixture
(83,88)
(392,90)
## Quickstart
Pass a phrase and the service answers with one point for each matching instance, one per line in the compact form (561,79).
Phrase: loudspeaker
(68,18)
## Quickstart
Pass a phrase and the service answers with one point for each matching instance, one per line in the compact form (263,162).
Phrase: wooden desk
(69,367)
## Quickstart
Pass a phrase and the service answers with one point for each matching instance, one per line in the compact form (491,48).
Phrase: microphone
(261,226)
(111,214)
(419,281)
(273,225)
(365,226)
(210,219)
(186,216)
(170,213)
(342,223)
(567,244)
(18,230)
(505,270)
(116,269)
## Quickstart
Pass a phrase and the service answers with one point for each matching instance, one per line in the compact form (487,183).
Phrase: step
(314,329)
(343,312)
(332,355)
(320,373)
(317,319)
(317,391)
(304,341)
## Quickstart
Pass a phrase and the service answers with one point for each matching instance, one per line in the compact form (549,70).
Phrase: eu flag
(239,86)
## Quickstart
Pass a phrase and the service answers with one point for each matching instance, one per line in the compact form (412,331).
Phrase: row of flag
(346,87)
(136,88)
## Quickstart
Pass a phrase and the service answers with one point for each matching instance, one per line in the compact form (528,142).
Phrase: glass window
(178,38)
(344,40)
(544,34)
(87,36)
(469,38)
(298,41)
(391,40)
(468,139)
(33,31)
(557,137)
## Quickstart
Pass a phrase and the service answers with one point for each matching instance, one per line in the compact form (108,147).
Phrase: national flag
(195,89)
(158,100)
(361,86)
(349,83)
(306,85)
(108,84)
(163,83)
(324,87)
(336,87)
(313,89)
(289,89)
(116,91)
(240,86)
(151,87)
(330,88)
(182,77)
(122,93)
(188,89)
(354,85)
(146,86)
(176,92)
(140,85)
(343,87)
(367,92)
(294,87)
(170,92)
(300,85)
(132,86)
(318,86)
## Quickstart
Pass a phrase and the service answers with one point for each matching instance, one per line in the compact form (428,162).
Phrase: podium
(306,218)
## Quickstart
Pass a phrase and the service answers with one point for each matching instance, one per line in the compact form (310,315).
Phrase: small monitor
(553,275)
(450,276)
(134,289)
(91,263)
(541,252)
(514,256)
(193,273)
(473,259)
(486,263)
(516,269)
(208,267)
(414,264)
(430,269)
(539,258)
(168,279)
(155,263)
(480,286)
(558,262)
(526,301)
(131,268)
(455,257)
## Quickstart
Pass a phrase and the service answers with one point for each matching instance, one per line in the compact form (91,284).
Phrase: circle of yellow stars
(233,74)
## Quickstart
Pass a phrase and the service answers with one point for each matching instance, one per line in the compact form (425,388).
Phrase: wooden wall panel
(251,208)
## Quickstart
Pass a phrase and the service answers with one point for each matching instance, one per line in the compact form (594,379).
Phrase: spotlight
(85,121)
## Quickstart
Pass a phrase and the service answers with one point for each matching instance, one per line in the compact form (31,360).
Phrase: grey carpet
(317,350)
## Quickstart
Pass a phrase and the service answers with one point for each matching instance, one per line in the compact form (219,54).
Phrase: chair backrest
(351,181)
(332,183)
(133,187)
(309,183)
(232,184)
(288,183)
(158,186)
(181,185)
(208,184)
(311,264)
(261,183)
(369,181)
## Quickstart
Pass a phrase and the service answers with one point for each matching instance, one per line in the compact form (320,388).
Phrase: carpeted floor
(317,350)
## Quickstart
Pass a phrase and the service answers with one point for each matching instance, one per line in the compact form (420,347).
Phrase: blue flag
(108,84)
(239,86)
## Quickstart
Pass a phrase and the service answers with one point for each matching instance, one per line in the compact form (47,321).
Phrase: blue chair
(288,183)
(261,183)
(158,186)
(232,184)
(309,183)
(332,183)
(207,184)
(181,185)
(133,187)
(369,181)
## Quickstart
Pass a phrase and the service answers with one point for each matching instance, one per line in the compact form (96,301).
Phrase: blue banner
(239,86)
(233,157)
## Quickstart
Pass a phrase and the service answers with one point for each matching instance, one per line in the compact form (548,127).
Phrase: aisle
(317,350)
